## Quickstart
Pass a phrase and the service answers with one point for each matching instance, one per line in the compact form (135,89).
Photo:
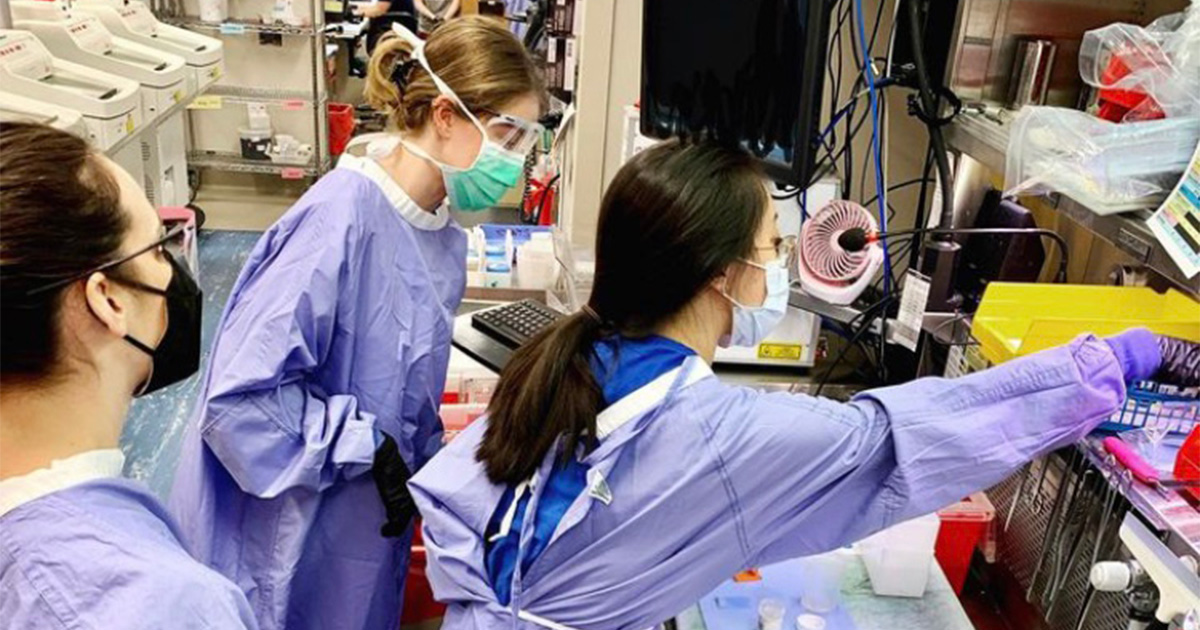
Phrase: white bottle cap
(1111,577)
(810,622)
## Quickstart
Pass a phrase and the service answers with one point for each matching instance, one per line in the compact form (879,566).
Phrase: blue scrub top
(621,366)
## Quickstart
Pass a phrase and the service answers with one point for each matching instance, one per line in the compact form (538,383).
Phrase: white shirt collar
(646,397)
(62,474)
(404,205)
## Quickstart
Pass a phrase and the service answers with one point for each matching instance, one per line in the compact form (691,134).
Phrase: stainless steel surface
(1030,76)
(235,163)
(805,302)
(987,142)
(239,94)
(491,296)
(1018,546)
(248,26)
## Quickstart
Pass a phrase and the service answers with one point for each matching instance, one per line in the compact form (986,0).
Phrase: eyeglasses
(172,238)
(783,248)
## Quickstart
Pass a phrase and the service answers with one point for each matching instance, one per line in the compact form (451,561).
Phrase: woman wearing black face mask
(95,310)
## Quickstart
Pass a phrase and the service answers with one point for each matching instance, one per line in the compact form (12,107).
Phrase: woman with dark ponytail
(615,480)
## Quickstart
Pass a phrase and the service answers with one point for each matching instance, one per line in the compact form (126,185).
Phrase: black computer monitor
(749,72)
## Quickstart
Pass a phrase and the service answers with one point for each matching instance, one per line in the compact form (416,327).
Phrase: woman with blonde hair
(330,360)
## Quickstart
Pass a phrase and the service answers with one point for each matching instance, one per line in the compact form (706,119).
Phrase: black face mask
(178,353)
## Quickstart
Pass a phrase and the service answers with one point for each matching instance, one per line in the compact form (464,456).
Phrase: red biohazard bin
(341,127)
(963,526)
(419,604)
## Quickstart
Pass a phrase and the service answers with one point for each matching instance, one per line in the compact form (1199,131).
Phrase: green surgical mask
(481,185)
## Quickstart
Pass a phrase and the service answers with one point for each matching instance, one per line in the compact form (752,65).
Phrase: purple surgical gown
(694,480)
(105,555)
(338,327)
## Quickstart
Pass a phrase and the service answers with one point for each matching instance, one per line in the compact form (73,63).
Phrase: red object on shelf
(1187,462)
(341,127)
(419,604)
(963,526)
(1116,104)
(539,203)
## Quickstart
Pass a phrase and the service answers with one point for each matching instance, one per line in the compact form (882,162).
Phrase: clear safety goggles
(512,133)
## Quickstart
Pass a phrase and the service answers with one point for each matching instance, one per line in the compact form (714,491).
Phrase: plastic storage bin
(455,418)
(897,558)
(1018,319)
(419,604)
(963,526)
(341,127)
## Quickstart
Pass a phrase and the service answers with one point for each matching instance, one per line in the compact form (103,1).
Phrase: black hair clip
(401,72)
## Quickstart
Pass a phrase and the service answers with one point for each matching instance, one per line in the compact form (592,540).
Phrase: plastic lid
(810,622)
(1111,577)
(975,508)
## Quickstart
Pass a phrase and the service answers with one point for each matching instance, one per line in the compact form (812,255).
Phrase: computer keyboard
(514,324)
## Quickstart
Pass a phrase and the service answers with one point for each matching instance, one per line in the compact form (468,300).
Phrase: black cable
(929,105)
(919,218)
(918,233)
(868,316)
(847,145)
(905,184)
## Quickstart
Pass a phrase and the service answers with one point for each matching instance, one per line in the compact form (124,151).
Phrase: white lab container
(898,558)
(536,265)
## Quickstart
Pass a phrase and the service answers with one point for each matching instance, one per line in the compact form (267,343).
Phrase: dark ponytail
(674,218)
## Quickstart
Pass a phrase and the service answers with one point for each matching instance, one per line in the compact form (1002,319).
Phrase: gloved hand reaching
(1146,356)
(1180,362)
(391,479)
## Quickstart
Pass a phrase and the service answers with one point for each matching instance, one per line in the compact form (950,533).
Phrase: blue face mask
(752,324)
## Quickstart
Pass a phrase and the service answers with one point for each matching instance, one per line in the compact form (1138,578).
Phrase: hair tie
(401,71)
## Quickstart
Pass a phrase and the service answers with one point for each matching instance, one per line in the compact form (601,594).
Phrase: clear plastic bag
(1161,60)
(1106,166)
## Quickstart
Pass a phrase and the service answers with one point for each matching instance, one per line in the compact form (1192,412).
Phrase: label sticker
(956,362)
(912,310)
(292,172)
(334,6)
(206,101)
(294,104)
(780,351)
(232,28)
(598,488)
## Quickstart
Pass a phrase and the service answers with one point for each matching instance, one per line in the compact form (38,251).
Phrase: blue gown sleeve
(809,475)
(265,419)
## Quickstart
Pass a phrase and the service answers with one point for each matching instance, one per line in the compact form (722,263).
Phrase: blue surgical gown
(620,366)
(102,555)
(694,480)
(338,327)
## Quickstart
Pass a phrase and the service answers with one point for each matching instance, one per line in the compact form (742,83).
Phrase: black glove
(391,479)
(1180,362)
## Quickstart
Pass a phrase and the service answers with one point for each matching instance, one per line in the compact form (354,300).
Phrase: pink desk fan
(827,270)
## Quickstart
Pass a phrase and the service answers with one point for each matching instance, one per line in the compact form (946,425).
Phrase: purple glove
(1138,352)
(1180,362)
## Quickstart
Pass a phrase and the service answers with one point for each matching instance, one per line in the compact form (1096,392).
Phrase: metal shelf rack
(240,26)
(986,141)
(235,163)
(238,94)
(314,94)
